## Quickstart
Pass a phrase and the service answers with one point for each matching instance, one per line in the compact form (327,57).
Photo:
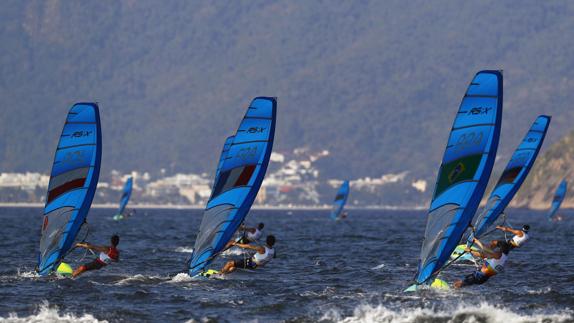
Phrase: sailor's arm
(248,246)
(86,245)
(511,230)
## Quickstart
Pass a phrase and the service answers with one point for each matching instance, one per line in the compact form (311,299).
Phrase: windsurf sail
(558,198)
(463,174)
(72,185)
(513,175)
(340,200)
(239,180)
(127,193)
(228,142)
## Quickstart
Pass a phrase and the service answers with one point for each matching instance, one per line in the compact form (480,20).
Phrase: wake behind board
(437,284)
(118,217)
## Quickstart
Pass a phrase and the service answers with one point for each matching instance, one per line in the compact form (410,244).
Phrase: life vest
(495,266)
(261,259)
(112,255)
(518,241)
(253,236)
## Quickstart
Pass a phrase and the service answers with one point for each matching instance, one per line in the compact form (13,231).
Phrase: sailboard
(513,175)
(559,196)
(463,174)
(340,200)
(72,185)
(237,184)
(126,194)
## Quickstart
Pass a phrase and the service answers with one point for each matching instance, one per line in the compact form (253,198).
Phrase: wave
(482,312)
(184,249)
(45,313)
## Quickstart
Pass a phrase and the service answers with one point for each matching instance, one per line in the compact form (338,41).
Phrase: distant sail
(72,185)
(513,176)
(239,180)
(127,193)
(340,200)
(222,158)
(558,198)
(464,172)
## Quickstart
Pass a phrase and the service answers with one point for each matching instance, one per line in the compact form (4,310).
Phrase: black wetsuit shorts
(476,278)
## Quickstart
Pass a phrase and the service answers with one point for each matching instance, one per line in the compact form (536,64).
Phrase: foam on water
(45,313)
(470,313)
(184,249)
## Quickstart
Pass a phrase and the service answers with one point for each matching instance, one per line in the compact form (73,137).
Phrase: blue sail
(513,175)
(72,185)
(340,200)
(239,180)
(464,172)
(558,198)
(127,193)
(226,145)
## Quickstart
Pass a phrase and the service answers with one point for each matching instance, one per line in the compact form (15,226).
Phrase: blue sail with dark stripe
(558,198)
(340,200)
(72,185)
(464,172)
(513,175)
(226,145)
(239,180)
(126,194)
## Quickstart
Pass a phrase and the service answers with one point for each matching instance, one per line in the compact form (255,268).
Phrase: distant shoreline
(255,207)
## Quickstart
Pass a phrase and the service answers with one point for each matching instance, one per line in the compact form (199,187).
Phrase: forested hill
(377,83)
(550,168)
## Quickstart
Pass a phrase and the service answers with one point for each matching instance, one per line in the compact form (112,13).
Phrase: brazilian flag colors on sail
(513,175)
(239,180)
(127,193)
(464,172)
(72,184)
(558,198)
(340,200)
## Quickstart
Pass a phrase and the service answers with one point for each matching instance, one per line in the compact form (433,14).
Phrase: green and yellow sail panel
(340,200)
(464,172)
(222,157)
(126,194)
(239,180)
(513,175)
(72,185)
(559,196)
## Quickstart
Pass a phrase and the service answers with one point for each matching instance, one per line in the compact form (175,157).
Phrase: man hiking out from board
(108,254)
(263,255)
(494,256)
(520,236)
(249,235)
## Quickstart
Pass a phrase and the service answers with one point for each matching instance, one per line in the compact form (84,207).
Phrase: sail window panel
(437,229)
(239,176)
(53,228)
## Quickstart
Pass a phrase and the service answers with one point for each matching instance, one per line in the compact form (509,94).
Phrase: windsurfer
(263,255)
(494,256)
(249,234)
(107,255)
(520,236)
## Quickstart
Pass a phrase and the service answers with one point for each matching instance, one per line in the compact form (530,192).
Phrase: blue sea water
(326,271)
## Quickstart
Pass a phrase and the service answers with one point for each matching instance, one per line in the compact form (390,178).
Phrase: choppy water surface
(325,271)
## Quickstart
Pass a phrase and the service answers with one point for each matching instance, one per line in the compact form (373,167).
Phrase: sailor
(520,236)
(251,234)
(494,259)
(108,254)
(263,255)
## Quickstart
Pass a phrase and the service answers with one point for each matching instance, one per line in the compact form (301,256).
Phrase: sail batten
(513,175)
(464,172)
(240,172)
(73,180)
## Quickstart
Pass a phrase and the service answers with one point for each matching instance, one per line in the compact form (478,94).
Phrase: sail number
(469,139)
(73,156)
(247,153)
